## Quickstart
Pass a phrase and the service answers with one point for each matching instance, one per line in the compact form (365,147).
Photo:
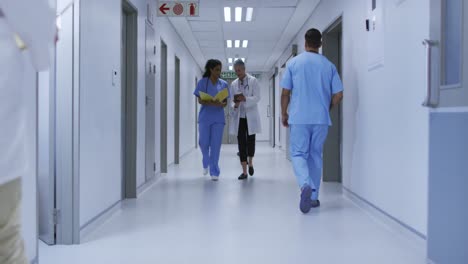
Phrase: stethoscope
(206,88)
(246,87)
(207,81)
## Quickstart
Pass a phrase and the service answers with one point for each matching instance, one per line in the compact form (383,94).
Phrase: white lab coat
(34,22)
(251,107)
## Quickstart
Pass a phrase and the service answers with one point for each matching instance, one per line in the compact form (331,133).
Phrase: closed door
(150,68)
(177,112)
(163,109)
(447,98)
(332,148)
(129,66)
(196,115)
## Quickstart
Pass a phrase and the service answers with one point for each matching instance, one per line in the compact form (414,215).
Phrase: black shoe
(242,176)
(251,171)
(315,203)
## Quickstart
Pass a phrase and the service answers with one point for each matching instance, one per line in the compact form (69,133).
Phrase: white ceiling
(274,25)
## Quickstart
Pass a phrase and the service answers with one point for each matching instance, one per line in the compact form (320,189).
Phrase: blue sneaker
(305,203)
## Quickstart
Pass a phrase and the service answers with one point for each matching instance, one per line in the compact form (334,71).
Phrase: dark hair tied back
(210,64)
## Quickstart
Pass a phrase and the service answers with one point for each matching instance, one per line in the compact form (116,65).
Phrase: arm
(336,88)
(285,98)
(223,103)
(287,84)
(336,99)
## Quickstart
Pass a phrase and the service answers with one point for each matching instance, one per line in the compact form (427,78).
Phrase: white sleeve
(253,100)
(34,22)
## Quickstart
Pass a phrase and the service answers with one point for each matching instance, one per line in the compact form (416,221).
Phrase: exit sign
(233,75)
(228,75)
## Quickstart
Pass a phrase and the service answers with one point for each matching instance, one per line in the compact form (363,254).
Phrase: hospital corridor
(233,131)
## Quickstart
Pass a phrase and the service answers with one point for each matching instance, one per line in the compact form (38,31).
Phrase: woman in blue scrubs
(211,117)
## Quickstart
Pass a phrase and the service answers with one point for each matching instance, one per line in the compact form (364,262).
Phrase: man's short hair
(239,63)
(313,38)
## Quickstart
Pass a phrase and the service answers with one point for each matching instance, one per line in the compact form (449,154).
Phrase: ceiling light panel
(227,14)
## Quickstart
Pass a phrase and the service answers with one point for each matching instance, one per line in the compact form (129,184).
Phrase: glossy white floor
(187,218)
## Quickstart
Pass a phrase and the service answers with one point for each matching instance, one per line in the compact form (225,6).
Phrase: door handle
(429,101)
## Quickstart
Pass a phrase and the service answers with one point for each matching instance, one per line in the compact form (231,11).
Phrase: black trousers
(245,142)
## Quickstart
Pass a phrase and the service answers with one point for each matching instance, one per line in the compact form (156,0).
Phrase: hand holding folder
(221,96)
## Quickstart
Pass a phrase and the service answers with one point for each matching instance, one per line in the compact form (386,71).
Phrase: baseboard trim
(148,184)
(183,156)
(420,240)
(99,220)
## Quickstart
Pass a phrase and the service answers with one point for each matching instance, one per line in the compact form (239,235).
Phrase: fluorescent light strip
(243,59)
(227,14)
(237,43)
(229,43)
(238,14)
(248,16)
(230,68)
(245,43)
(230,60)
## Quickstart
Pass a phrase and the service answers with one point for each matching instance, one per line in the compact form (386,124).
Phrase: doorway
(196,116)
(332,49)
(129,99)
(150,83)
(163,107)
(271,111)
(58,130)
(177,112)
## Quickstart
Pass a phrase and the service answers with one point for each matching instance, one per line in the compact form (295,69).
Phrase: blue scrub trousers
(306,148)
(211,138)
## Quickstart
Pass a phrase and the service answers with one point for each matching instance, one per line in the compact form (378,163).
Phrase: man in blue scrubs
(311,87)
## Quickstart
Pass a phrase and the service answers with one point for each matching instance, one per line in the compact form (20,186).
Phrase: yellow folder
(223,94)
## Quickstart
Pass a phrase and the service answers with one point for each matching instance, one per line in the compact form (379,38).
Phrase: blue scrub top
(211,114)
(312,79)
